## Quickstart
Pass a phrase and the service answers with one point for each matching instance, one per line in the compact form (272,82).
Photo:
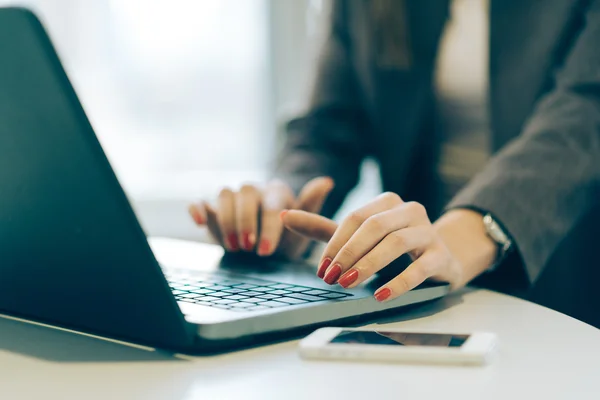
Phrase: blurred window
(187,96)
(178,91)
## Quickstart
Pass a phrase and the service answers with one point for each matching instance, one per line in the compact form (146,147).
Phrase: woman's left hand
(372,237)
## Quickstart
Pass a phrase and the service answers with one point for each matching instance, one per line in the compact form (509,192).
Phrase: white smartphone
(391,345)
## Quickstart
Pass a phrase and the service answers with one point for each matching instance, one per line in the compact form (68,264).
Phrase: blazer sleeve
(543,182)
(327,139)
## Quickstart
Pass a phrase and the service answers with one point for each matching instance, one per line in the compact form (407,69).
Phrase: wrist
(464,234)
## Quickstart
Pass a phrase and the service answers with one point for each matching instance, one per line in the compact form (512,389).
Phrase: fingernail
(333,275)
(232,241)
(348,278)
(324,265)
(383,294)
(282,214)
(196,215)
(264,248)
(248,241)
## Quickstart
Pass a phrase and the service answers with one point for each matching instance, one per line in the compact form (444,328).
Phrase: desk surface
(542,355)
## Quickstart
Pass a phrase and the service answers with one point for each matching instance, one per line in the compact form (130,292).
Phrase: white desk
(543,355)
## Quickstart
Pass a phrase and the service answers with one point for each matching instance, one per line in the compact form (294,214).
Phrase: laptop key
(203,303)
(208,298)
(189,295)
(234,290)
(203,291)
(220,294)
(299,289)
(280,292)
(237,297)
(252,293)
(291,300)
(316,292)
(281,286)
(263,289)
(306,297)
(268,296)
(224,301)
(255,300)
(176,292)
(333,295)
(273,304)
(187,300)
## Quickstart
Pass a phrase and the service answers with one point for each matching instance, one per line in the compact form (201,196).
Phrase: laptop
(72,253)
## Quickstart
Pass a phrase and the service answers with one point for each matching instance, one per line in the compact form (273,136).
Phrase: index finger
(312,226)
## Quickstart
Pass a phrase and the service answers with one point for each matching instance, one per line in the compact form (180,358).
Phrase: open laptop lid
(71,250)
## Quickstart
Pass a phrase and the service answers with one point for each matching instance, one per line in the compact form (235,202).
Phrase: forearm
(464,234)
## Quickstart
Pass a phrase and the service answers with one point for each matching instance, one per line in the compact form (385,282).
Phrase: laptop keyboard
(240,295)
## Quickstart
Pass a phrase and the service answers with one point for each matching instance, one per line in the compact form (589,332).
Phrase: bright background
(187,96)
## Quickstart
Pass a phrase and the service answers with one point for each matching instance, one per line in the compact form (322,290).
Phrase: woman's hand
(248,219)
(372,237)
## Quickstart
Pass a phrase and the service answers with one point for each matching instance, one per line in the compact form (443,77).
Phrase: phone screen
(399,338)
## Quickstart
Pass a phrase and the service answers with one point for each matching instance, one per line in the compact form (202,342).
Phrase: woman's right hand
(248,219)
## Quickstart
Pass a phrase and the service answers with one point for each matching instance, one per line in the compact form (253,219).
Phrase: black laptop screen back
(71,250)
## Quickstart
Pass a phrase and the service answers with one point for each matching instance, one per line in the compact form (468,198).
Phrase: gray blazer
(545,115)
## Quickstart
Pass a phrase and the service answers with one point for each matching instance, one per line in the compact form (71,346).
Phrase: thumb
(310,225)
(313,194)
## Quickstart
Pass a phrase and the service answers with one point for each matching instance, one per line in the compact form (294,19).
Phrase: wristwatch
(498,235)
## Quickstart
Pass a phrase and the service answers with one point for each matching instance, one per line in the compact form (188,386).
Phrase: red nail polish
(282,214)
(247,241)
(265,247)
(324,265)
(383,294)
(232,240)
(348,278)
(333,274)
(196,215)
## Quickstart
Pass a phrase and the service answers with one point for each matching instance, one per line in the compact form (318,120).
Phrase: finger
(311,199)
(411,277)
(313,194)
(226,219)
(312,226)
(331,272)
(277,196)
(246,212)
(369,234)
(212,223)
(197,213)
(390,248)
